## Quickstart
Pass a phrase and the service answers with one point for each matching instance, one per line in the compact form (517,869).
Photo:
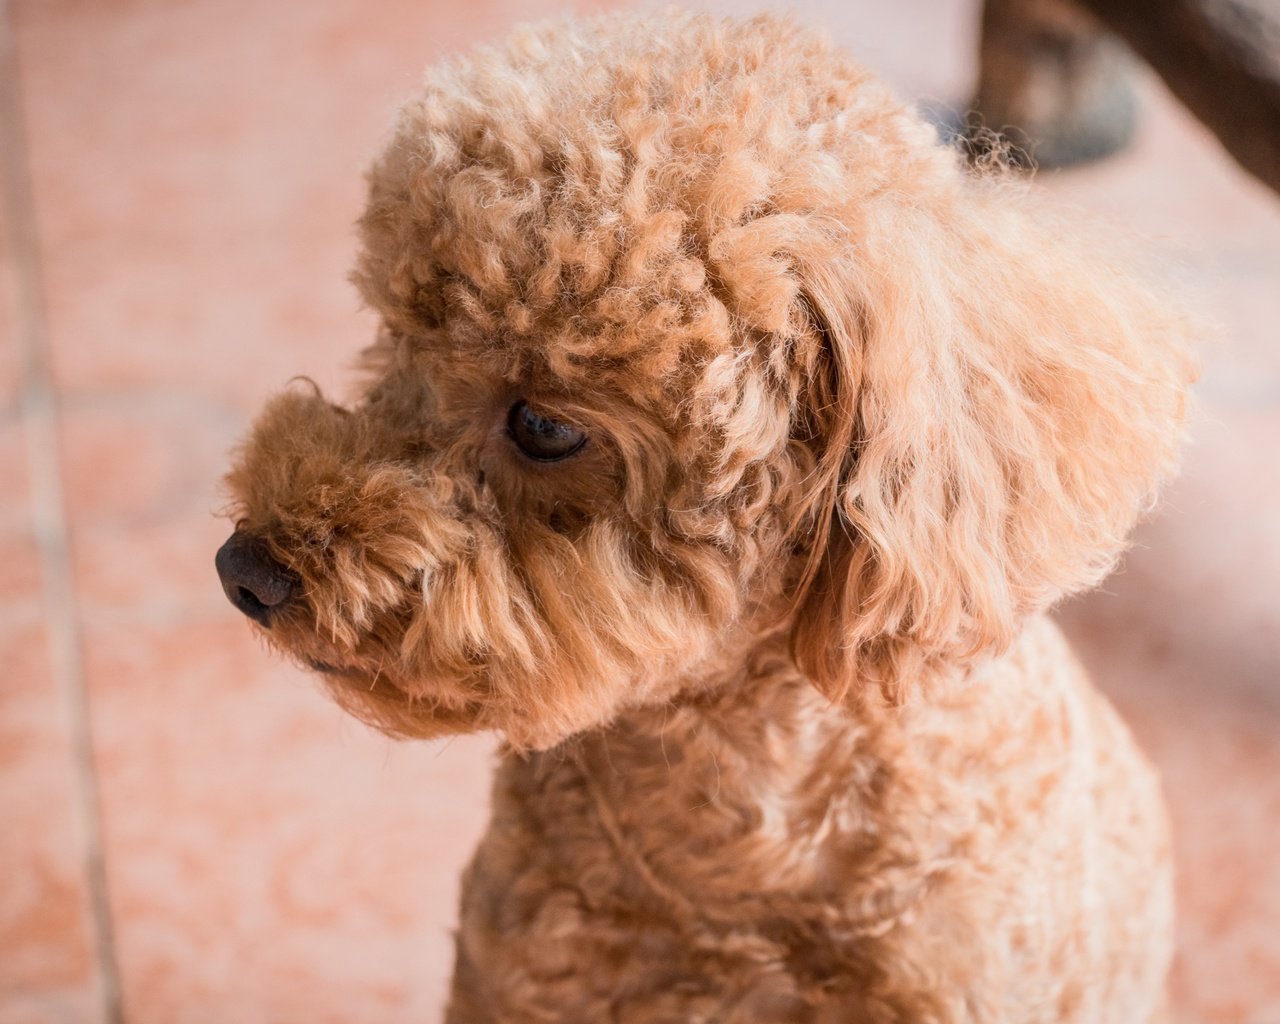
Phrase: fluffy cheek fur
(444,590)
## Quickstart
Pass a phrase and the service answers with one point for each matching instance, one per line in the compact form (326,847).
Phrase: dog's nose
(254,581)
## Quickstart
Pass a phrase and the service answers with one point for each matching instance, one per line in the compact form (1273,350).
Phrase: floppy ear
(1000,400)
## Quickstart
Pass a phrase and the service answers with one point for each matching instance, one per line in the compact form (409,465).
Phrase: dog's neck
(754,774)
(757,800)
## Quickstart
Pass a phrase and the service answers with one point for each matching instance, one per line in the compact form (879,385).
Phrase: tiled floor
(181,178)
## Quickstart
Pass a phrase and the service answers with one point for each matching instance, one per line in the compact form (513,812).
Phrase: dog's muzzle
(254,581)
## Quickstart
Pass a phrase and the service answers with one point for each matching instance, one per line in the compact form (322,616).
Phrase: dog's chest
(707,864)
(749,862)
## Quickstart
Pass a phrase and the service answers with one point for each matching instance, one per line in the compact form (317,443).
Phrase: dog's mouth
(328,669)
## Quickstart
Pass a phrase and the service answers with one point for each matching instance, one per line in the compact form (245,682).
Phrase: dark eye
(540,438)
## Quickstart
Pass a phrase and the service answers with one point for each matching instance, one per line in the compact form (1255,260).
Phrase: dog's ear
(995,401)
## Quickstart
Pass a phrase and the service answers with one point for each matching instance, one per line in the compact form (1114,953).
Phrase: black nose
(254,581)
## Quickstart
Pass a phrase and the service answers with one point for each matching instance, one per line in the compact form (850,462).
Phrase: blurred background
(189,832)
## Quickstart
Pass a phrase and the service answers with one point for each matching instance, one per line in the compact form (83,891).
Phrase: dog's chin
(376,700)
(405,712)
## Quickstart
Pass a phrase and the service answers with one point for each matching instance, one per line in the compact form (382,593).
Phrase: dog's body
(752,857)
(723,445)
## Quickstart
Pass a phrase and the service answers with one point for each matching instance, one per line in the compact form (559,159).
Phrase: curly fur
(788,738)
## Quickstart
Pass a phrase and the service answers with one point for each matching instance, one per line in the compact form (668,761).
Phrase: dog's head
(692,336)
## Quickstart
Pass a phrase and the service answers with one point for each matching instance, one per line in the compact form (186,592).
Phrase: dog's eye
(541,438)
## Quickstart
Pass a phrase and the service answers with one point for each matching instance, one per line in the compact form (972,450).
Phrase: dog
(721,447)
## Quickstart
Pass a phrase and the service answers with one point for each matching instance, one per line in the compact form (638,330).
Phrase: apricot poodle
(722,445)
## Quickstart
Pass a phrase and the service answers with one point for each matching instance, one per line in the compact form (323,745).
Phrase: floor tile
(1186,638)
(15,478)
(68,1006)
(1215,229)
(44,942)
(47,954)
(19,568)
(9,361)
(270,859)
(143,490)
(155,573)
(141,459)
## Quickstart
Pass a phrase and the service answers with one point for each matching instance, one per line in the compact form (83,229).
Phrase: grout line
(38,405)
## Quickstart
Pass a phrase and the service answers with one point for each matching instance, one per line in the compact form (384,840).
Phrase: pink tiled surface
(46,956)
(194,170)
